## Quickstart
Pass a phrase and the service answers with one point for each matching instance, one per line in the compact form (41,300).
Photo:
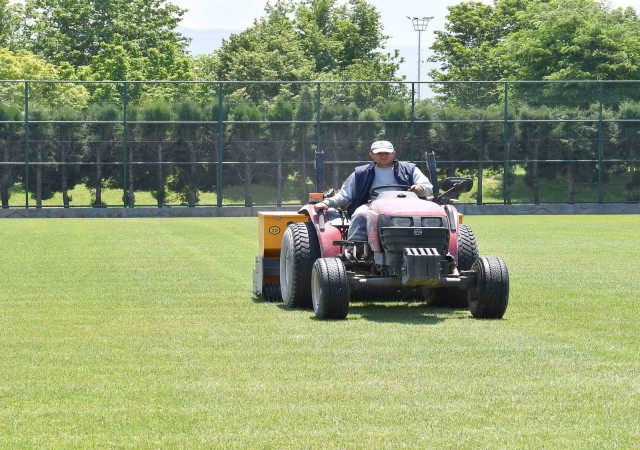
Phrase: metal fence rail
(134,144)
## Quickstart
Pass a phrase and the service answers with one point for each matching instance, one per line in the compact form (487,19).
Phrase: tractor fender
(327,234)
(454,225)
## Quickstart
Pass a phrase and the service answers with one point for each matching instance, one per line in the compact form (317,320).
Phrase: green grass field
(143,333)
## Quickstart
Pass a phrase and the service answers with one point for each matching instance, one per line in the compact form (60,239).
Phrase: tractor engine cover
(420,265)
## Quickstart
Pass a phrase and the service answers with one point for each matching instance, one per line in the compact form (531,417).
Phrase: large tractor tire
(467,248)
(300,249)
(490,296)
(467,254)
(330,289)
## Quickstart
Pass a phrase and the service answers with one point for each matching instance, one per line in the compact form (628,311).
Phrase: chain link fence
(133,144)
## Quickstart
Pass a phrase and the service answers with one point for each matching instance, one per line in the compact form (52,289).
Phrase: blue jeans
(358,226)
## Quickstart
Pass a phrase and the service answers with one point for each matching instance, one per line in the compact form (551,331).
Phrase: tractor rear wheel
(467,248)
(330,289)
(467,254)
(490,296)
(300,249)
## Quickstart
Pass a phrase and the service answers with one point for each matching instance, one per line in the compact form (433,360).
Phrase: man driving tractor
(383,170)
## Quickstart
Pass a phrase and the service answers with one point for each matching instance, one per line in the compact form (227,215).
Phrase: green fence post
(220,143)
(600,145)
(319,160)
(505,152)
(125,196)
(413,120)
(26,144)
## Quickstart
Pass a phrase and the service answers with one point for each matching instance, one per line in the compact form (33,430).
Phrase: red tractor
(414,247)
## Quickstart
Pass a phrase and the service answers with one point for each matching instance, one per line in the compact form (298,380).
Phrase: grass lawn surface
(143,333)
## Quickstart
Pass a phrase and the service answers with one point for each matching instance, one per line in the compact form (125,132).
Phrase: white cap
(382,147)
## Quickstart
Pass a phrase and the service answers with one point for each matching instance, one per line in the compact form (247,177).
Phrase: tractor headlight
(432,222)
(401,221)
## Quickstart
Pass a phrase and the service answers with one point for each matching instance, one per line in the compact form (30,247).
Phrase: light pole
(419,25)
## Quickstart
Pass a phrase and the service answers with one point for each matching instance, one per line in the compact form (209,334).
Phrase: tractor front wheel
(490,296)
(330,289)
(300,249)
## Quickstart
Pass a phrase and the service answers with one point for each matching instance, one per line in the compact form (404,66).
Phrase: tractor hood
(400,203)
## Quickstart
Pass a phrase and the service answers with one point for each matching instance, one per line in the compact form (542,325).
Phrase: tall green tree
(102,145)
(307,40)
(10,15)
(337,35)
(67,135)
(75,31)
(24,65)
(304,135)
(244,143)
(533,135)
(535,40)
(42,153)
(339,139)
(11,150)
(111,40)
(574,40)
(268,50)
(157,147)
(191,145)
(280,136)
(629,133)
(466,48)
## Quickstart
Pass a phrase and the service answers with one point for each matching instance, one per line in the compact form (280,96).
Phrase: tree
(118,61)
(466,48)
(102,134)
(574,40)
(396,117)
(339,137)
(308,40)
(486,136)
(269,50)
(304,133)
(9,24)
(452,135)
(190,148)
(575,137)
(42,154)
(535,40)
(75,32)
(111,40)
(337,35)
(533,134)
(423,127)
(157,147)
(11,149)
(280,135)
(629,134)
(23,65)
(67,136)
(244,143)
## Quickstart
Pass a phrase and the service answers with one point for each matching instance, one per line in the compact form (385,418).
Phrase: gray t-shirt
(383,176)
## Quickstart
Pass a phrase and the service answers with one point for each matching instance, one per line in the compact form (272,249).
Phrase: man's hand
(418,189)
(322,206)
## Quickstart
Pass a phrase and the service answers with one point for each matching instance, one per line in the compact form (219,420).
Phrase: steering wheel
(373,192)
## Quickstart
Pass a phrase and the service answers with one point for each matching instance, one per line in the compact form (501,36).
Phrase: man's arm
(342,198)
(422,186)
